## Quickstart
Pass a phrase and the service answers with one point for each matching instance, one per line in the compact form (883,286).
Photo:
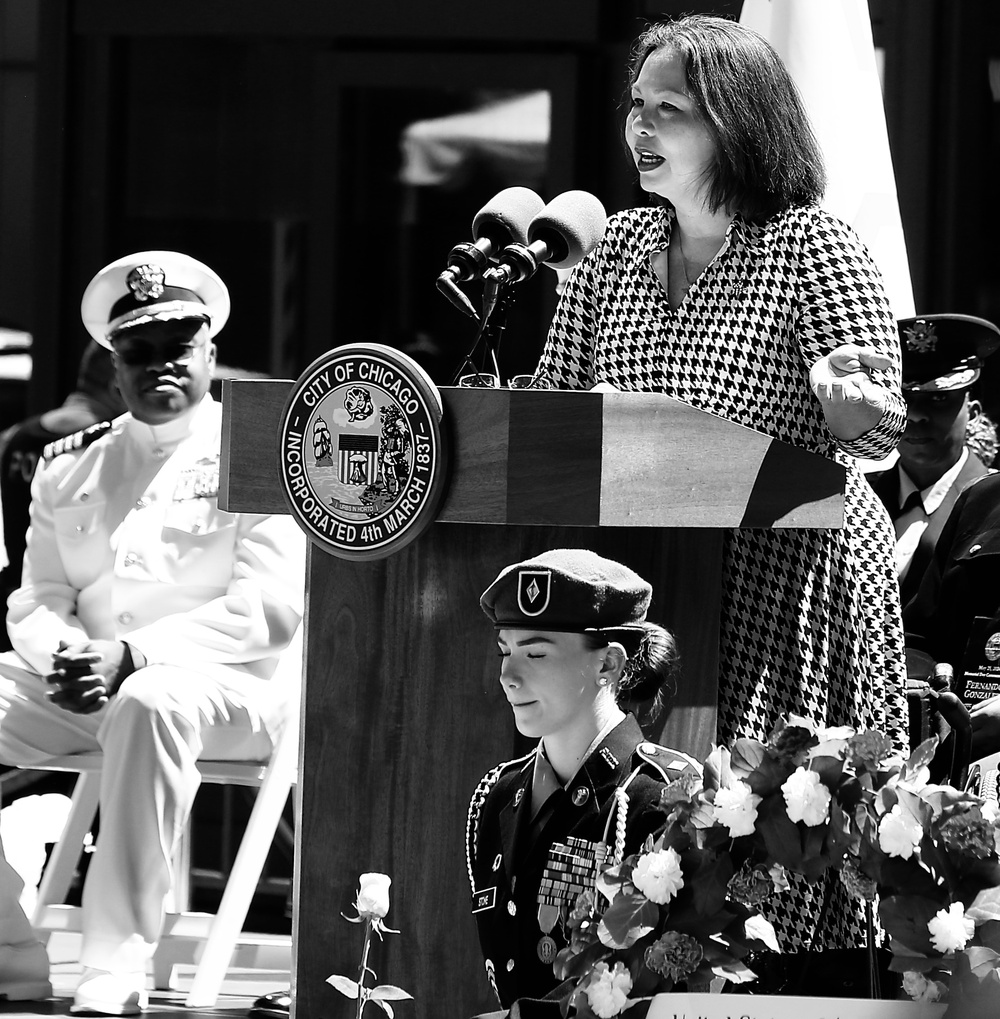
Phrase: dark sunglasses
(137,352)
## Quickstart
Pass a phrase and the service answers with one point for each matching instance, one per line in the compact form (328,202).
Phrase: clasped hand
(86,674)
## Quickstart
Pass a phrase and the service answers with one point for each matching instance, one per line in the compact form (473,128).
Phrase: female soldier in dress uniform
(574,641)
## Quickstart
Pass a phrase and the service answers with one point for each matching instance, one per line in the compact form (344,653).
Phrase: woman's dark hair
(653,661)
(767,157)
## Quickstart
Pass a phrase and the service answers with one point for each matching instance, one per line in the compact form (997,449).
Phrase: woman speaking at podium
(734,293)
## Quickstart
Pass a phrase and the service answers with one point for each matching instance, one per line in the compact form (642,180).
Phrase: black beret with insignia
(944,352)
(572,590)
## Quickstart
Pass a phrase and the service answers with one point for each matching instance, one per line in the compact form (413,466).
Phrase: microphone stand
(498,298)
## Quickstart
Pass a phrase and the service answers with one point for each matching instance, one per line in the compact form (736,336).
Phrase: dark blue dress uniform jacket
(886,487)
(506,860)
(962,580)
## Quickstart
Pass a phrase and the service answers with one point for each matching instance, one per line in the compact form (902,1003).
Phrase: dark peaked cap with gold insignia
(570,590)
(153,286)
(944,352)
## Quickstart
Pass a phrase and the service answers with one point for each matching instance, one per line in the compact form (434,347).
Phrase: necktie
(912,501)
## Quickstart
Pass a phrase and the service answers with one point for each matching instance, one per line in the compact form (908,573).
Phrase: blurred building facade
(275,142)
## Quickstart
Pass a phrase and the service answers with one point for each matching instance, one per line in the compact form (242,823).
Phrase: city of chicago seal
(362,463)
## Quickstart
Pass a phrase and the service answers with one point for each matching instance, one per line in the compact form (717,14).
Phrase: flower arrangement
(372,905)
(682,912)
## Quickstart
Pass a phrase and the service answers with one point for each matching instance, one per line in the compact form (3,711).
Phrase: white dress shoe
(102,993)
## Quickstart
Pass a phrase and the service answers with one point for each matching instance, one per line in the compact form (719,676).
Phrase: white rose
(658,875)
(779,878)
(373,896)
(899,833)
(919,988)
(608,989)
(736,808)
(991,814)
(806,798)
(950,930)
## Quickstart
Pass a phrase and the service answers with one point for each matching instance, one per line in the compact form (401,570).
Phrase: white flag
(827,47)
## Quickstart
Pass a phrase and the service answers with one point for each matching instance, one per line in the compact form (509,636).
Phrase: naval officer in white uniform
(150,624)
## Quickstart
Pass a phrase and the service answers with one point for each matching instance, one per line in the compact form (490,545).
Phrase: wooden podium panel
(403,714)
(592,459)
(402,711)
(626,460)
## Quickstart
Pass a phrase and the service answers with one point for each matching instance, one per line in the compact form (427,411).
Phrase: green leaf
(346,986)
(577,1004)
(989,934)
(628,918)
(921,757)
(974,988)
(718,773)
(686,919)
(982,961)
(905,919)
(769,776)
(747,756)
(908,877)
(570,968)
(871,859)
(841,838)
(710,881)
(736,972)
(903,962)
(389,992)
(718,953)
(386,1007)
(916,805)
(814,839)
(781,836)
(703,817)
(985,906)
(829,769)
(849,792)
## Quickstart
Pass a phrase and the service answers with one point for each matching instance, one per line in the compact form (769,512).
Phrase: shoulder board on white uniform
(75,440)
(486,783)
(671,764)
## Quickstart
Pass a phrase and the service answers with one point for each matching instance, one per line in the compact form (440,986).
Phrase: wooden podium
(402,711)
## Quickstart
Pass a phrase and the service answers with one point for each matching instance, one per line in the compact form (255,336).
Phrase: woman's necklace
(684,261)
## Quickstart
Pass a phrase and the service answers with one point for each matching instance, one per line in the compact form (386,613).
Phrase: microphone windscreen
(505,217)
(577,220)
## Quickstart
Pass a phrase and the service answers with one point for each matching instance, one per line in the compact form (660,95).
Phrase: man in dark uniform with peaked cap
(942,359)
(150,625)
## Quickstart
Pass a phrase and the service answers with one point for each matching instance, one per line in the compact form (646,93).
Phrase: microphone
(561,234)
(502,220)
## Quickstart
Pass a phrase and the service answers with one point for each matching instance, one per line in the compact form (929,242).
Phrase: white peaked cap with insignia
(153,286)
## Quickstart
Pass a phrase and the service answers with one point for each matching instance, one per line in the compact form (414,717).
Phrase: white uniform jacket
(127,542)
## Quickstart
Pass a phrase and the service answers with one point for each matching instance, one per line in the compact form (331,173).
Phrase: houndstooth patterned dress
(810,618)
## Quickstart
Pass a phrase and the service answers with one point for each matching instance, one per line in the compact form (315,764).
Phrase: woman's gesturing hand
(852,401)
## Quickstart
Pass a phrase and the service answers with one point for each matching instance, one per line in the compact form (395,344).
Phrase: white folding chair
(221,934)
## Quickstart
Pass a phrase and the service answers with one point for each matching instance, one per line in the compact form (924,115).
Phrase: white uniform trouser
(151,733)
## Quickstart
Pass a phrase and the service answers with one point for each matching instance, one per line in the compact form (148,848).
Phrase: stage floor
(238,992)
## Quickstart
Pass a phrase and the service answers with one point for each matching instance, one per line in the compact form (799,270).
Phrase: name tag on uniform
(484,900)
